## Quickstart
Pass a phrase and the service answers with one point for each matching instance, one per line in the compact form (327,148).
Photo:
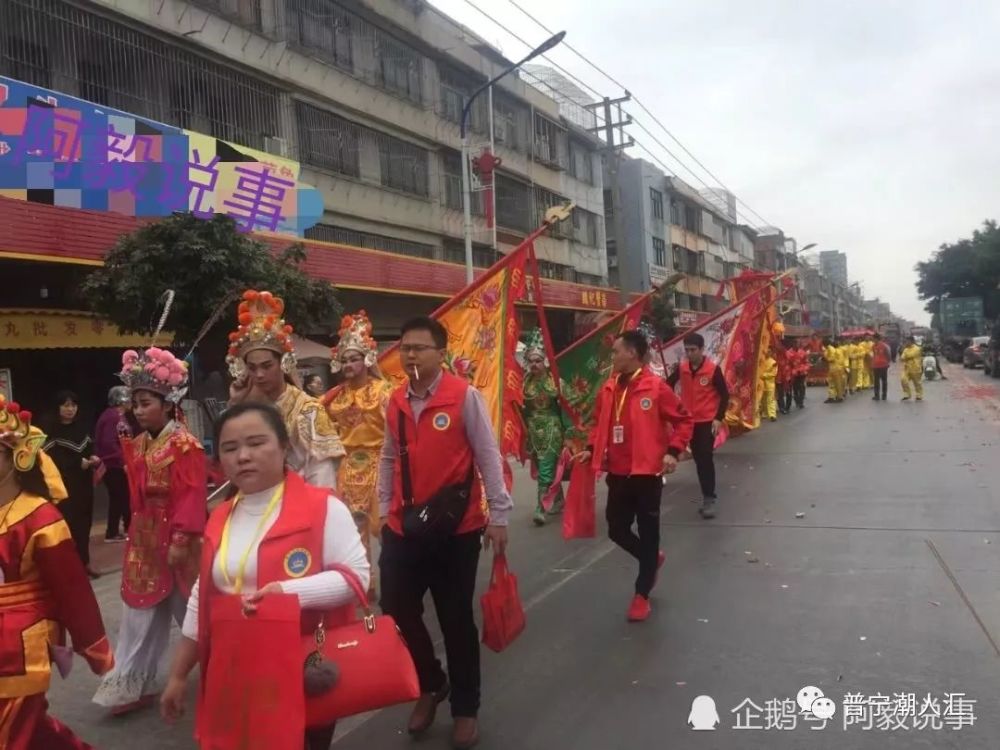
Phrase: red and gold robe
(168,489)
(45,592)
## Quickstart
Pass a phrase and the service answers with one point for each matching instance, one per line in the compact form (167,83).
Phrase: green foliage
(203,261)
(966,268)
(661,313)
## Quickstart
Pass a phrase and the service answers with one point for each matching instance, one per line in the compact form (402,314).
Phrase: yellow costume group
(849,367)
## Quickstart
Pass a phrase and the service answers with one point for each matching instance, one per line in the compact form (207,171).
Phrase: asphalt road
(885,587)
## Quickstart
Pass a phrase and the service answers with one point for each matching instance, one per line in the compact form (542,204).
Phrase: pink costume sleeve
(188,487)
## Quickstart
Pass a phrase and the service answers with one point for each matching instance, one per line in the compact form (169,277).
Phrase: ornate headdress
(155,370)
(355,335)
(533,343)
(261,327)
(17,433)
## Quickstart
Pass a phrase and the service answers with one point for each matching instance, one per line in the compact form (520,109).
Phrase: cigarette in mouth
(416,372)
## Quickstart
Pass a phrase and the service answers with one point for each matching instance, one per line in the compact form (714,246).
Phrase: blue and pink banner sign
(59,150)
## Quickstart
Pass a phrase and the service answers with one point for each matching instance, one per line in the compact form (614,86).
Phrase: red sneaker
(661,557)
(639,609)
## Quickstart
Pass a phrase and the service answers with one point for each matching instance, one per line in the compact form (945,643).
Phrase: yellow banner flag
(483,332)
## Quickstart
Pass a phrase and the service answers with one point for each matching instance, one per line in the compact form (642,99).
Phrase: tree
(205,262)
(966,268)
(660,313)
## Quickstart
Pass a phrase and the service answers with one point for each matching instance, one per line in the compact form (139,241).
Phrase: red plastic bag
(254,693)
(580,511)
(503,615)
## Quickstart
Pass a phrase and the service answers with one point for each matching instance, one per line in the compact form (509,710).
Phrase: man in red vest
(641,429)
(881,358)
(706,396)
(438,436)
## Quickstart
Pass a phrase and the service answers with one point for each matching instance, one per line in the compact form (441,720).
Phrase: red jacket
(657,419)
(698,394)
(439,452)
(881,355)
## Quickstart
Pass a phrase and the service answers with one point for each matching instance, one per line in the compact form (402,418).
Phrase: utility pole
(613,148)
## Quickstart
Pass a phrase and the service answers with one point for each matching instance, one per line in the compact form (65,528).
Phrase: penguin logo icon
(703,717)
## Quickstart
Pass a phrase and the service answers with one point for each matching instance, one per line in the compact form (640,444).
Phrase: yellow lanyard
(621,401)
(224,542)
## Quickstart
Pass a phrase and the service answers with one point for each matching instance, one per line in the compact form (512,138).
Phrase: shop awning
(65,329)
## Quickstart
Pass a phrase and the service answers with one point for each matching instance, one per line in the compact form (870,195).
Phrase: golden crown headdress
(17,433)
(260,327)
(355,335)
(155,370)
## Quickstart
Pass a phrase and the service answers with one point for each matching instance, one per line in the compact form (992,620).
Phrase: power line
(641,106)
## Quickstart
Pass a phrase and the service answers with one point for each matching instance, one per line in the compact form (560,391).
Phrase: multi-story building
(668,227)
(366,96)
(833,264)
(775,252)
(878,311)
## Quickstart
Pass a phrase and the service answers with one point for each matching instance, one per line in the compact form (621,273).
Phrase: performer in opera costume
(544,419)
(357,409)
(44,592)
(262,362)
(166,472)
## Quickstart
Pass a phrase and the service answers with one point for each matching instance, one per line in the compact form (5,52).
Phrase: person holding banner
(642,427)
(277,535)
(437,511)
(261,360)
(544,419)
(705,395)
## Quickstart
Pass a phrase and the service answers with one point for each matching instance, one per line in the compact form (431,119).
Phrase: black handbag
(443,512)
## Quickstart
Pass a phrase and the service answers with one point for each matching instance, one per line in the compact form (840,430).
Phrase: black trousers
(119,511)
(319,739)
(784,396)
(702,451)
(409,569)
(881,381)
(636,499)
(799,390)
(78,510)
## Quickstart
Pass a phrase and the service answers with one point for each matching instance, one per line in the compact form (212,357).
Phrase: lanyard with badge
(618,429)
(237,584)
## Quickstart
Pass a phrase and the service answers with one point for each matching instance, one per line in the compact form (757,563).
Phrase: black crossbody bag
(442,514)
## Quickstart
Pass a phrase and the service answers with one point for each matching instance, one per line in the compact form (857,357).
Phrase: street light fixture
(466,177)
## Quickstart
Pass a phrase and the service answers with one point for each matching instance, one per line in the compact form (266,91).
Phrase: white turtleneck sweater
(324,590)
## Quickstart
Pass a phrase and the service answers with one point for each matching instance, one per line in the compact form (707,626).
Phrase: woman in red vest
(277,535)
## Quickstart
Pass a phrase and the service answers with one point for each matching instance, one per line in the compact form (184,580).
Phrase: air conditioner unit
(276,146)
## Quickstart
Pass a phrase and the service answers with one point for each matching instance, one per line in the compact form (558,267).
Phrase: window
(609,204)
(402,165)
(510,122)
(23,56)
(514,205)
(676,210)
(690,218)
(549,270)
(659,252)
(682,301)
(550,142)
(679,257)
(656,198)
(544,200)
(584,227)
(399,66)
(328,141)
(244,12)
(589,279)
(451,163)
(581,163)
(322,28)
(343,236)
(456,88)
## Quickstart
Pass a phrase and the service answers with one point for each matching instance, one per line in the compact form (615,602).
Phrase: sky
(867,126)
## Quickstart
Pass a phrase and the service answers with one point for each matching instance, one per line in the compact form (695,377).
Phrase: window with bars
(451,171)
(510,122)
(118,66)
(659,252)
(456,88)
(323,28)
(328,141)
(549,270)
(550,142)
(584,227)
(244,12)
(400,66)
(589,279)
(403,165)
(514,206)
(676,213)
(344,236)
(544,200)
(609,204)
(482,257)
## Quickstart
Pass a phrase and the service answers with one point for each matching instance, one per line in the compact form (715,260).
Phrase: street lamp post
(466,176)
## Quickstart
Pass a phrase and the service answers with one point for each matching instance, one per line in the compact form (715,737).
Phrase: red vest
(881,355)
(698,394)
(292,548)
(440,453)
(650,436)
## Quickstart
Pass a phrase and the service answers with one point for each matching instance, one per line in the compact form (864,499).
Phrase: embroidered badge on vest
(297,562)
(704,380)
(646,404)
(441,421)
